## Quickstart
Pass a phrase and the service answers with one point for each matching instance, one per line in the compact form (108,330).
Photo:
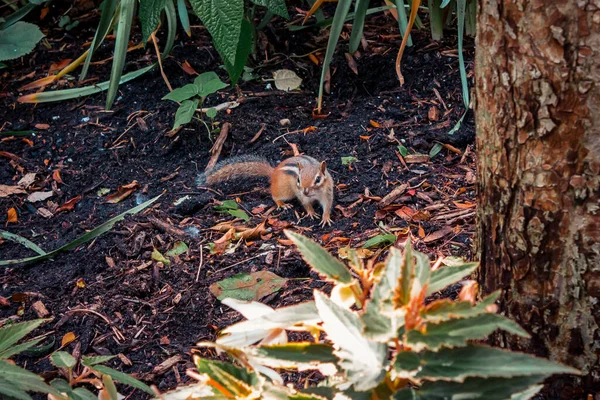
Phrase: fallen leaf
(464,205)
(188,69)
(68,206)
(421,216)
(248,287)
(12,215)
(365,137)
(352,63)
(44,11)
(374,124)
(406,213)
(56,176)
(39,196)
(29,142)
(45,81)
(6,191)
(157,256)
(80,283)
(122,193)
(27,180)
(110,262)
(314,59)
(164,340)
(437,235)
(178,249)
(67,338)
(58,66)
(44,212)
(434,113)
(286,80)
(421,232)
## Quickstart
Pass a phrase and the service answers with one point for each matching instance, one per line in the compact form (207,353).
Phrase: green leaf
(244,48)
(123,378)
(363,360)
(435,150)
(460,12)
(296,353)
(21,240)
(238,381)
(380,241)
(183,93)
(12,333)
(18,40)
(40,350)
(226,206)
(320,259)
(403,150)
(20,348)
(184,18)
(456,332)
(349,160)
(171,16)
(480,361)
(126,10)
(223,19)
(17,15)
(446,276)
(211,113)
(82,393)
(339,18)
(94,233)
(209,86)
(61,385)
(275,6)
(446,309)
(157,256)
(206,77)
(247,287)
(403,20)
(62,359)
(185,112)
(239,214)
(24,379)
(149,13)
(360,12)
(68,94)
(106,22)
(436,19)
(178,249)
(91,361)
(12,390)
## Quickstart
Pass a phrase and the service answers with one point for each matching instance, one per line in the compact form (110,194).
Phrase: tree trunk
(538,140)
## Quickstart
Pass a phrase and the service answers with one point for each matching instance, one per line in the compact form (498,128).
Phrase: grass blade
(17,15)
(107,19)
(184,18)
(436,19)
(21,240)
(68,94)
(471,17)
(94,233)
(120,53)
(402,21)
(460,12)
(327,22)
(360,12)
(341,12)
(171,15)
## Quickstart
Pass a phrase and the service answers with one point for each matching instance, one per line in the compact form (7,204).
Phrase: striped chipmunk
(302,177)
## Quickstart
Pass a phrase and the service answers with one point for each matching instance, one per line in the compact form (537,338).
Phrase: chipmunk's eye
(317,180)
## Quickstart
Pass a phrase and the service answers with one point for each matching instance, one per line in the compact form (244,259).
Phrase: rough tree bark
(538,137)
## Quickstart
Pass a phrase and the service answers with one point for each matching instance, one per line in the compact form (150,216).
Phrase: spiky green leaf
(123,378)
(62,359)
(11,334)
(446,276)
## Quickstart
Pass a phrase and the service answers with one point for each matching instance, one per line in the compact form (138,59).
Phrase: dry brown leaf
(188,69)
(56,176)
(252,233)
(42,127)
(40,309)
(406,213)
(39,196)
(67,338)
(27,180)
(468,292)
(352,63)
(437,235)
(433,114)
(58,66)
(421,232)
(68,206)
(466,204)
(12,215)
(44,212)
(6,190)
(122,192)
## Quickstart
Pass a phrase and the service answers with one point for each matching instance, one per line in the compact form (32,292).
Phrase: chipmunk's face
(311,179)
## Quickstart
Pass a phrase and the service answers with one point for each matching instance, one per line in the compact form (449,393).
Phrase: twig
(260,131)
(216,149)
(220,107)
(200,265)
(162,72)
(243,261)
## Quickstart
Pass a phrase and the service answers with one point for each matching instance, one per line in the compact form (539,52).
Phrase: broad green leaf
(62,359)
(94,233)
(184,18)
(210,86)
(472,389)
(247,287)
(12,391)
(435,150)
(320,259)
(107,19)
(349,160)
(183,93)
(380,241)
(178,248)
(61,385)
(20,348)
(21,240)
(226,206)
(68,94)
(360,12)
(446,276)
(149,13)
(12,333)
(238,381)
(185,112)
(206,77)
(123,378)
(91,361)
(244,47)
(18,40)
(275,6)
(446,309)
(480,361)
(223,19)
(302,355)
(126,10)
(82,393)
(211,113)
(456,332)
(362,359)
(341,11)
(239,214)
(24,379)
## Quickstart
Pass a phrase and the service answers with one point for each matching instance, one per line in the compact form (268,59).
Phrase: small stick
(216,149)
(162,72)
(243,261)
(201,262)
(260,131)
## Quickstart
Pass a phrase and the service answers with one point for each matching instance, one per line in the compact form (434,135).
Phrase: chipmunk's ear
(323,167)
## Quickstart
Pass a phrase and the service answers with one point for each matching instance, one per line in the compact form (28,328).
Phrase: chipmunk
(300,177)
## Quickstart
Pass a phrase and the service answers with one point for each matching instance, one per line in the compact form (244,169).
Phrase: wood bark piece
(393,195)
(538,138)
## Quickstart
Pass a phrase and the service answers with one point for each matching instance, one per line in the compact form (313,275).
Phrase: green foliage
(193,95)
(391,345)
(18,40)
(230,206)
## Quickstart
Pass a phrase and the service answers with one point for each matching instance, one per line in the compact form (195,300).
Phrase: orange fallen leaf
(314,59)
(28,141)
(67,338)
(56,176)
(285,242)
(437,235)
(10,155)
(309,129)
(12,215)
(421,232)
(80,283)
(374,124)
(464,205)
(68,206)
(44,12)
(42,126)
(39,83)
(365,137)
(57,66)
(188,69)
(122,193)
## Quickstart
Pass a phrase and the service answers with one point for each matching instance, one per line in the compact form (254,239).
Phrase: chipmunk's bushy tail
(235,167)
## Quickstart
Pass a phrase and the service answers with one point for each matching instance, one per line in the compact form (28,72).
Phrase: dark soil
(163,310)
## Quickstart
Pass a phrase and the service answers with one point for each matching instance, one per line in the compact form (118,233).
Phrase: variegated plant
(375,337)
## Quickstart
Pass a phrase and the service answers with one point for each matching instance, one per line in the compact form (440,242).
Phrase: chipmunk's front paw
(325,221)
